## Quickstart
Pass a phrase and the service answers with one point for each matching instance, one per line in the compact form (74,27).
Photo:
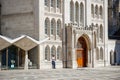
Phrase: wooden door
(80,58)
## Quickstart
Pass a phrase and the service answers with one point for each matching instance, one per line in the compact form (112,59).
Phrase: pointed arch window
(58,4)
(59,53)
(101,12)
(96,11)
(46,2)
(77,12)
(52,3)
(92,11)
(97,53)
(53,51)
(47,53)
(82,13)
(71,11)
(47,23)
(101,53)
(53,26)
(101,33)
(58,27)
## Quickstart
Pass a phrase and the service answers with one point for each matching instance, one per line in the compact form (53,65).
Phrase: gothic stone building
(75,31)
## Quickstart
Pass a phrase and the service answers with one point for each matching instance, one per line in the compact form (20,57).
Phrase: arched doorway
(81,53)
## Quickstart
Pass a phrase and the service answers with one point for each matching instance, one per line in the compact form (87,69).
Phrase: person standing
(53,61)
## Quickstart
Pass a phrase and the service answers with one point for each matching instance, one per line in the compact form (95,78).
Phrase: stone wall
(18,18)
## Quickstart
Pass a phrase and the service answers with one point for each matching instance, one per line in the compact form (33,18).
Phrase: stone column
(7,58)
(74,62)
(26,60)
(18,56)
(89,58)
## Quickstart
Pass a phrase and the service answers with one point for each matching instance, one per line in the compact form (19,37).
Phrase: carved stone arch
(82,51)
(88,41)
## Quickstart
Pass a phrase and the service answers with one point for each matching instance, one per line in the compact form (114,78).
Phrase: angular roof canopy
(25,42)
(4,42)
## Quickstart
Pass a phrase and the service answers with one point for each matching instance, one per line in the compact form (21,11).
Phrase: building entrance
(81,53)
(12,58)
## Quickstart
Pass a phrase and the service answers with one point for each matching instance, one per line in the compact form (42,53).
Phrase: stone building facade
(75,31)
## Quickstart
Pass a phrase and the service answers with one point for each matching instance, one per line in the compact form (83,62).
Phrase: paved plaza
(106,73)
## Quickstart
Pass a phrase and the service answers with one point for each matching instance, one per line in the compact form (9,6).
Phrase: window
(96,11)
(101,12)
(77,12)
(52,27)
(97,53)
(101,53)
(47,53)
(52,3)
(82,13)
(71,11)
(53,51)
(58,27)
(58,3)
(59,53)
(46,2)
(101,32)
(47,26)
(92,10)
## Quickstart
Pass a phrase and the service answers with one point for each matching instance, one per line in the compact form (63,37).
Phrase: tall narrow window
(92,10)
(52,3)
(101,12)
(77,12)
(58,27)
(96,11)
(47,53)
(59,53)
(53,27)
(71,11)
(53,51)
(101,53)
(101,33)
(82,13)
(58,3)
(97,53)
(46,26)
(46,2)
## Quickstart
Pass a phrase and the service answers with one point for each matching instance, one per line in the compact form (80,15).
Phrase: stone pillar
(74,62)
(7,58)
(26,60)
(89,58)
